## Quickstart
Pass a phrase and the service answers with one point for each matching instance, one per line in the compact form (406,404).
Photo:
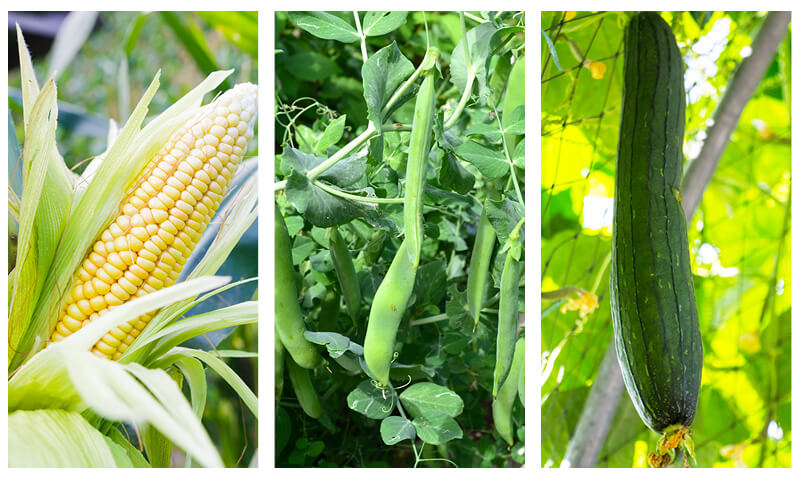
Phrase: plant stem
(363,37)
(355,143)
(465,96)
(346,150)
(474,18)
(423,66)
(427,320)
(356,198)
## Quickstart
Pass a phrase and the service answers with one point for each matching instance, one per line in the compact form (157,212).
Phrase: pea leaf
(325,25)
(332,134)
(396,429)
(370,402)
(428,399)
(382,74)
(437,429)
(381,23)
(490,161)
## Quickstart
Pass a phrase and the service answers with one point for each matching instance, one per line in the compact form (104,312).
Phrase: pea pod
(387,310)
(515,96)
(503,404)
(328,312)
(479,263)
(288,318)
(304,389)
(280,355)
(419,147)
(373,249)
(507,320)
(346,273)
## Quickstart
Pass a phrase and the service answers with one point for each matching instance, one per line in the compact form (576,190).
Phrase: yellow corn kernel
(161,219)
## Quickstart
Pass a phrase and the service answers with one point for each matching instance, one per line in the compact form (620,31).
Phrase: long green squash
(652,297)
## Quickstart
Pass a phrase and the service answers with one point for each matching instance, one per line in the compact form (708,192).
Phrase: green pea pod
(503,404)
(419,147)
(507,320)
(288,318)
(280,354)
(328,313)
(515,96)
(387,311)
(374,248)
(479,263)
(304,389)
(346,273)
(521,384)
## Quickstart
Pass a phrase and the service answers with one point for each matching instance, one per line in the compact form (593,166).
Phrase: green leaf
(57,438)
(333,133)
(478,39)
(489,161)
(426,399)
(325,25)
(382,74)
(221,368)
(381,23)
(336,344)
(437,428)
(368,400)
(321,208)
(396,429)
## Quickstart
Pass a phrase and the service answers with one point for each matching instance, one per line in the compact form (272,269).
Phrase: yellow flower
(750,342)
(598,69)
(586,303)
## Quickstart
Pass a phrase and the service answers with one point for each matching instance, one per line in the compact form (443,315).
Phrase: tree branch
(739,91)
(590,433)
(592,429)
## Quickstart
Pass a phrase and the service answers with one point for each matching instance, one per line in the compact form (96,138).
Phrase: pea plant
(399,239)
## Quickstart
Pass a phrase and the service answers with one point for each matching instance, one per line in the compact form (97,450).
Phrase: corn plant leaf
(71,36)
(140,349)
(43,213)
(57,438)
(42,381)
(136,394)
(67,375)
(135,456)
(157,446)
(195,376)
(222,369)
(178,332)
(14,164)
(30,86)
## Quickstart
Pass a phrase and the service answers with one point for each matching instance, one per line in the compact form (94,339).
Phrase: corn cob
(161,219)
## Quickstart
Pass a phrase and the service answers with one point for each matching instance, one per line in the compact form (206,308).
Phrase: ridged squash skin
(653,305)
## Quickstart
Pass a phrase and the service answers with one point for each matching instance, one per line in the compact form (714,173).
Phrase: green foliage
(343,133)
